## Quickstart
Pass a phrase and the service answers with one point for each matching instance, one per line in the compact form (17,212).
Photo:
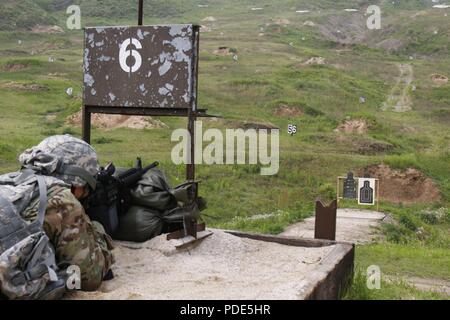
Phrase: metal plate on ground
(190,240)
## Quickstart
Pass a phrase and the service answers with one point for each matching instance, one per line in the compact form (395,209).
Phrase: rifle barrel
(150,167)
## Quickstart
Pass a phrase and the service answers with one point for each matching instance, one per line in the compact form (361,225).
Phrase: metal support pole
(190,167)
(378,194)
(337,189)
(192,113)
(141,13)
(86,124)
(190,225)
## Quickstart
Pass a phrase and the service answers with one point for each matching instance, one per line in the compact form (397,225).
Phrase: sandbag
(157,208)
(139,224)
(153,191)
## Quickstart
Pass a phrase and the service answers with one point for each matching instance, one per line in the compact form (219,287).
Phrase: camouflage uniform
(77,240)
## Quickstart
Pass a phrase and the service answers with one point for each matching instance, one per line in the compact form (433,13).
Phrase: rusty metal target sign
(141,66)
(147,71)
(142,70)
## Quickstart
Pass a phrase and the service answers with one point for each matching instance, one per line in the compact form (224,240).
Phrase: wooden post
(141,13)
(378,194)
(190,167)
(325,225)
(337,189)
(191,225)
(192,114)
(86,124)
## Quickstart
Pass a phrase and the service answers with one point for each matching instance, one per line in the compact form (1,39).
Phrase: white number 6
(124,54)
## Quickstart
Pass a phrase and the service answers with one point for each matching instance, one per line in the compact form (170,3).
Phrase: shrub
(408,222)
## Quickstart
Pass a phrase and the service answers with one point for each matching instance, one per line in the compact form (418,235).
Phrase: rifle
(111,197)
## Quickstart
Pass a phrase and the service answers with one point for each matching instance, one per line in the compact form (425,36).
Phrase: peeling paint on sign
(153,68)
(88,80)
(163,91)
(165,68)
(104,58)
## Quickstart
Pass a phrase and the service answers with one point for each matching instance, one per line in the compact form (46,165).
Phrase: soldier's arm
(76,239)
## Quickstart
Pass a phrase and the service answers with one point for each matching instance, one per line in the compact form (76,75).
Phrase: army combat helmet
(65,157)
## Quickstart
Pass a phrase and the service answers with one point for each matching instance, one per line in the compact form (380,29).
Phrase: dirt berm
(403,186)
(111,122)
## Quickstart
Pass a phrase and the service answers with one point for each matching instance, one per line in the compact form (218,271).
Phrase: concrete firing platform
(228,265)
(352,225)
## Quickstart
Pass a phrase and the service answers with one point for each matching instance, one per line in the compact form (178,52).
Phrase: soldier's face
(80,192)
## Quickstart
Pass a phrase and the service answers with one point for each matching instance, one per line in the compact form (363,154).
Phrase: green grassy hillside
(22,15)
(273,45)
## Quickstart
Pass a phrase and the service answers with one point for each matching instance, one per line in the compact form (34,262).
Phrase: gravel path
(399,100)
(424,284)
(352,225)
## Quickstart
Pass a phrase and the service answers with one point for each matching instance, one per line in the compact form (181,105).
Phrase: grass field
(268,74)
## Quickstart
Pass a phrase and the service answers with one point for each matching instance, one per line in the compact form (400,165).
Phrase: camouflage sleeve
(77,240)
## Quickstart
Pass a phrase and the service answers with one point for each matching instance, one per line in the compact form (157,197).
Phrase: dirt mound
(221,266)
(50,117)
(12,52)
(283,22)
(391,44)
(369,147)
(23,86)
(204,28)
(257,126)
(275,28)
(439,79)
(209,19)
(357,126)
(47,29)
(345,29)
(213,120)
(287,111)
(314,60)
(403,186)
(224,51)
(363,145)
(110,122)
(13,67)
